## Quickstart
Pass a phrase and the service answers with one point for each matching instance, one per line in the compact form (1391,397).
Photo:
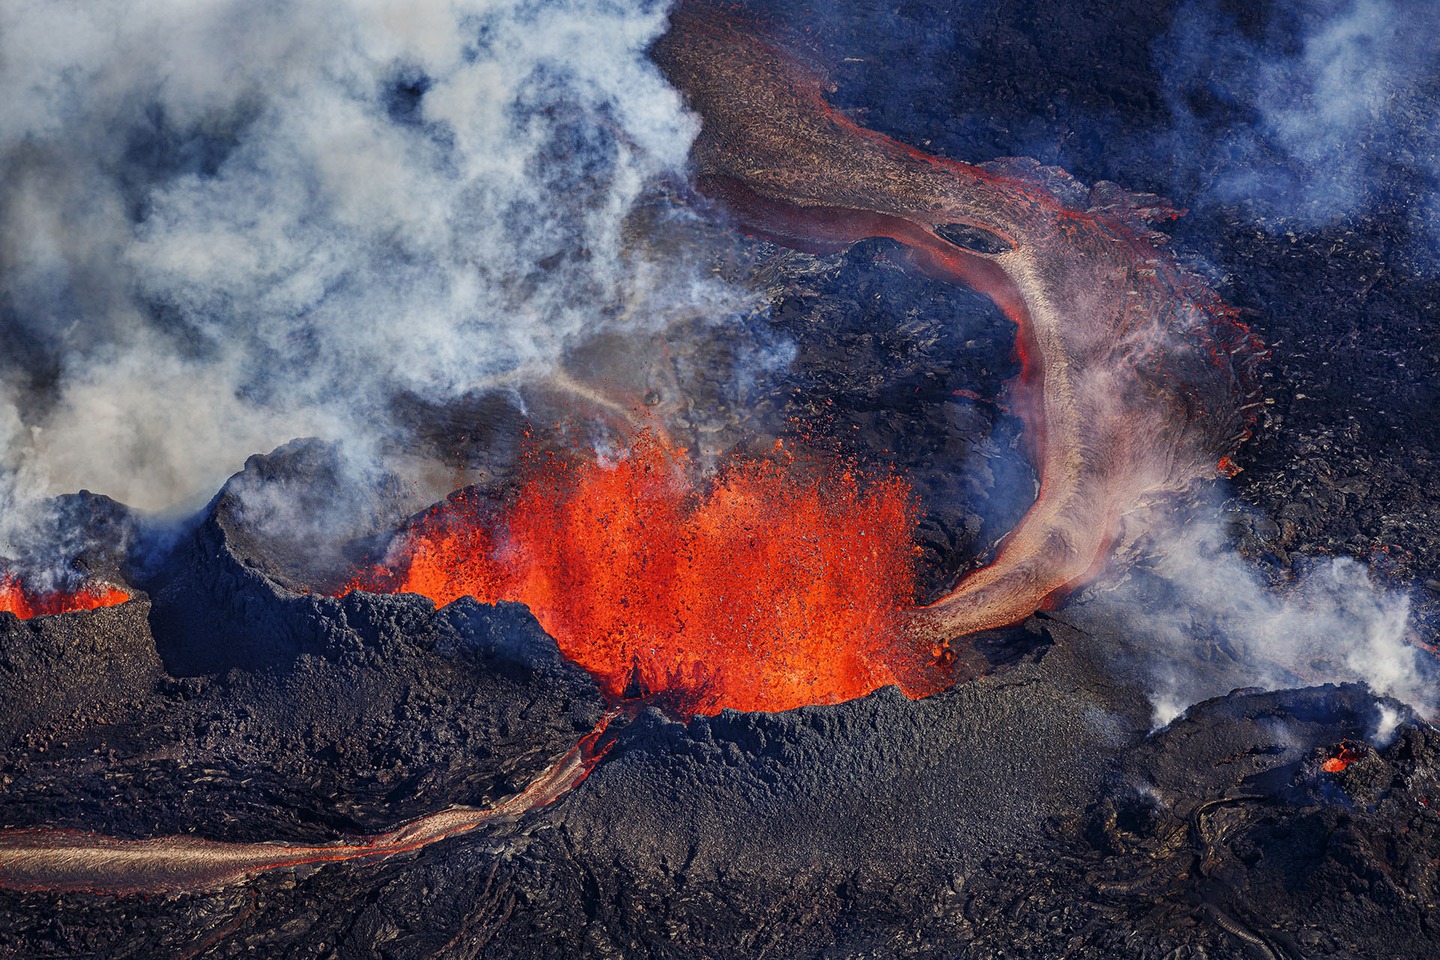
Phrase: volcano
(1007,578)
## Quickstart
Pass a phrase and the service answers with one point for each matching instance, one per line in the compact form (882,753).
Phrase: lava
(1346,754)
(776,584)
(1136,380)
(24,603)
(72,861)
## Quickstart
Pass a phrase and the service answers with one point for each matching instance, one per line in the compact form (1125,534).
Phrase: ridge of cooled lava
(1136,379)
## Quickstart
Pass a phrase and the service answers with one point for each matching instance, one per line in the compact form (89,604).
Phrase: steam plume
(1201,620)
(229,223)
(1313,109)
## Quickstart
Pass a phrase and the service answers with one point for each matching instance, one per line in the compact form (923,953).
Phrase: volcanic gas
(776,583)
(25,603)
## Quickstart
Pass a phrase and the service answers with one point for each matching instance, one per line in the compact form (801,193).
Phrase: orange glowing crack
(71,861)
(1136,380)
(1344,756)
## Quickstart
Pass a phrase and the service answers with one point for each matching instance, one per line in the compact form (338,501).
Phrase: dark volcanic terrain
(1024,813)
(1031,812)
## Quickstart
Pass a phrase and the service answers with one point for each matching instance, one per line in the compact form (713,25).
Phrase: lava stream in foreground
(776,585)
(76,862)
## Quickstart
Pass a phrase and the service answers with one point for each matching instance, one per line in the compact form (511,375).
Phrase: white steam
(1203,621)
(226,223)
(1311,109)
(1386,726)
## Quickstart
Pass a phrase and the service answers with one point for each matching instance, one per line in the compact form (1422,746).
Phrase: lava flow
(16,599)
(778,584)
(71,861)
(1345,755)
(1136,380)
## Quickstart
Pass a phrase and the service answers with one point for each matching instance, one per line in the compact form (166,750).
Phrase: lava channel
(1136,380)
(76,862)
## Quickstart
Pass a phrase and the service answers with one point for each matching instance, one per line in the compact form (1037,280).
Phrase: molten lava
(777,584)
(1346,755)
(1136,380)
(16,599)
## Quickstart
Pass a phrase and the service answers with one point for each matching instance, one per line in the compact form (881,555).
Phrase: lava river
(1136,380)
(74,861)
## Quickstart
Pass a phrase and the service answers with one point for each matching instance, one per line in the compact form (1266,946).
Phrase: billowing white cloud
(226,223)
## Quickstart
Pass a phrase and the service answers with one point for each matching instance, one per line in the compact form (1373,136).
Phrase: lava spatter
(777,583)
(1345,754)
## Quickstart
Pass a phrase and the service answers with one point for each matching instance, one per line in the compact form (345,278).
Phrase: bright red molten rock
(14,598)
(778,584)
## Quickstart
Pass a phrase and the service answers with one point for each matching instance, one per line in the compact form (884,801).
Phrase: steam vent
(630,479)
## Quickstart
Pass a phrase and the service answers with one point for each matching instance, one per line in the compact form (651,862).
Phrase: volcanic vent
(93,533)
(776,583)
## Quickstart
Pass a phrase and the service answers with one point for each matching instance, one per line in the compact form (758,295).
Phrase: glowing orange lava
(1135,378)
(1346,756)
(775,585)
(14,598)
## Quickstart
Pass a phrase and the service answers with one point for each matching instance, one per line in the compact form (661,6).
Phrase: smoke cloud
(1199,619)
(1313,111)
(1302,116)
(224,224)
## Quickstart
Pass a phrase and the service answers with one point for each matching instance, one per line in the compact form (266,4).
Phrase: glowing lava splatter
(776,584)
(1345,755)
(16,599)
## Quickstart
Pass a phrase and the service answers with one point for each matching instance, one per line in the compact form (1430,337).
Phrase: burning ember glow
(14,598)
(1346,755)
(775,585)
